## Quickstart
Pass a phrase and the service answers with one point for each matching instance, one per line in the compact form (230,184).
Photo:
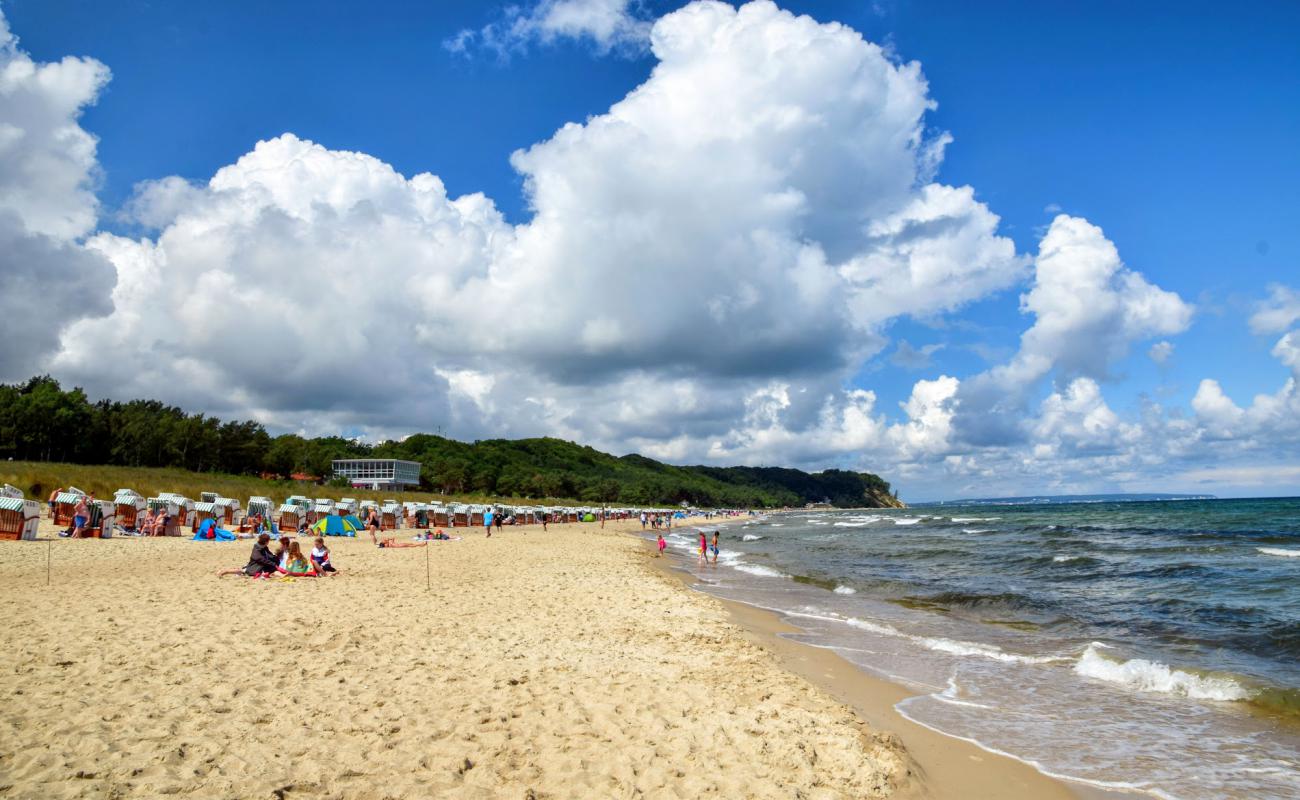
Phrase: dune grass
(38,479)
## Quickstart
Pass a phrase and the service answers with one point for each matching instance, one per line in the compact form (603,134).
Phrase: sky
(980,250)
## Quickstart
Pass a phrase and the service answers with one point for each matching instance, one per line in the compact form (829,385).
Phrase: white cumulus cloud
(47,203)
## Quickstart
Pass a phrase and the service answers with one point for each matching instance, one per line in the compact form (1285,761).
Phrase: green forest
(41,422)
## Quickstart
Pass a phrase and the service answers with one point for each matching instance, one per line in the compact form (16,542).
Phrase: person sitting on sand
(144,525)
(320,558)
(261,562)
(295,564)
(389,541)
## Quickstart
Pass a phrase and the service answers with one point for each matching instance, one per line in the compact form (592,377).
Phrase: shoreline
(943,766)
(528,664)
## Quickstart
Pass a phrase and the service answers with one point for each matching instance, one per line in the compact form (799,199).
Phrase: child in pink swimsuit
(662,545)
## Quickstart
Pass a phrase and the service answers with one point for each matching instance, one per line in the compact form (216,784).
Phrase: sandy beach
(557,664)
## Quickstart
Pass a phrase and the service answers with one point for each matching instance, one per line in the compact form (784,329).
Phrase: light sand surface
(539,665)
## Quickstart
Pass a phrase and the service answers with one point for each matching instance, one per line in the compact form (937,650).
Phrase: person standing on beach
(79,518)
(488,518)
(54,500)
(642,520)
(372,524)
(498,521)
(715,547)
(545,517)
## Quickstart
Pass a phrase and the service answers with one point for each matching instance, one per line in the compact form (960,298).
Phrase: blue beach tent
(209,532)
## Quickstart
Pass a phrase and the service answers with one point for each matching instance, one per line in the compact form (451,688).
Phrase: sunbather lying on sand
(389,541)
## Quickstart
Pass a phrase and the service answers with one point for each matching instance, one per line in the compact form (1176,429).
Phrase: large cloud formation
(708,267)
(47,167)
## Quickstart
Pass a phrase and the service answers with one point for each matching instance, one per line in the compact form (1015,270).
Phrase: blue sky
(1171,127)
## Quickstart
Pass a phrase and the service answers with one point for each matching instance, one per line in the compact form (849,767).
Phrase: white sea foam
(951,646)
(852,524)
(1062,559)
(974,519)
(777,525)
(845,590)
(906,520)
(976,530)
(1152,676)
(1279,551)
(750,537)
(759,569)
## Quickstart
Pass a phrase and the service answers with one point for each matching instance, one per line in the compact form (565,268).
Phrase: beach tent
(334,525)
(209,532)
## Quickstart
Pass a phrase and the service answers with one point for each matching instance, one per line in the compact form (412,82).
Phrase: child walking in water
(704,548)
(661,544)
(715,547)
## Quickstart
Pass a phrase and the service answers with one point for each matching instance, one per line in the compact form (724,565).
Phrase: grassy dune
(38,479)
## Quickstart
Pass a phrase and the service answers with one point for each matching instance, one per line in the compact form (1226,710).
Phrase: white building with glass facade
(379,473)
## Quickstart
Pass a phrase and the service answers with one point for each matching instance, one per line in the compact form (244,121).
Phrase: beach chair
(227,508)
(476,516)
(173,510)
(128,505)
(64,506)
(107,519)
(460,516)
(389,517)
(202,511)
(440,517)
(19,517)
(291,516)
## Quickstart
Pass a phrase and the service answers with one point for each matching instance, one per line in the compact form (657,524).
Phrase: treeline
(39,421)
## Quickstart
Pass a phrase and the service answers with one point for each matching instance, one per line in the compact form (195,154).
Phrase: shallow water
(1151,646)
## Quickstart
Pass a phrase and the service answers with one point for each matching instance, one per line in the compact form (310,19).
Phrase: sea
(1146,647)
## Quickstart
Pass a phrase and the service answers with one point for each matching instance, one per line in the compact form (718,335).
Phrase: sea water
(1150,647)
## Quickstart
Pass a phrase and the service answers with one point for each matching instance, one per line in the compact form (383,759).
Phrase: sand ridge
(539,665)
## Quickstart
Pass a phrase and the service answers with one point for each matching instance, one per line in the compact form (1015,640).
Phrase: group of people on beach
(657,521)
(288,561)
